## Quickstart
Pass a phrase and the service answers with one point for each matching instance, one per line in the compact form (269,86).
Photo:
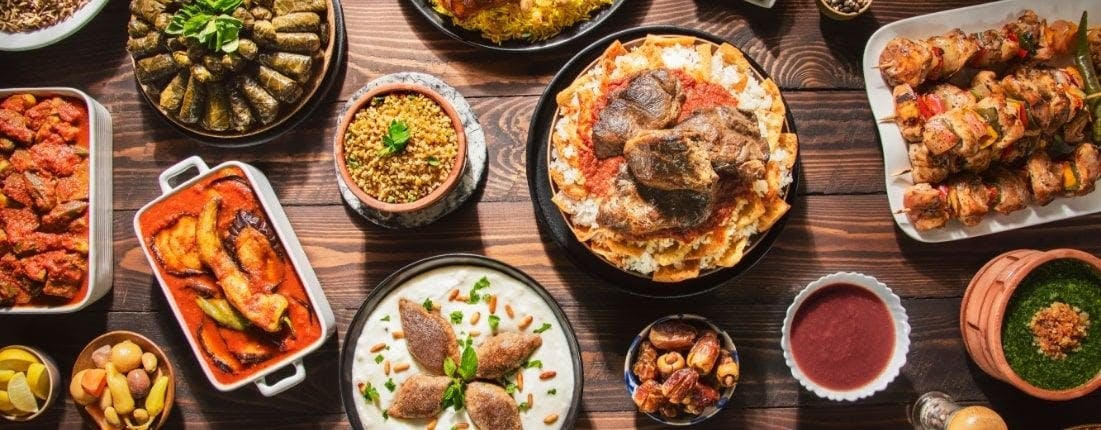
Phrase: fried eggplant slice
(430,338)
(264,310)
(420,396)
(259,259)
(214,345)
(491,408)
(504,352)
(176,249)
(245,348)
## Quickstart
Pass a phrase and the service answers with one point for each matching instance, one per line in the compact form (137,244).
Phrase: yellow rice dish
(530,20)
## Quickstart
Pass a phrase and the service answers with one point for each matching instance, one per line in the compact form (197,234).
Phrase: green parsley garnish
(457,317)
(395,139)
(524,407)
(511,388)
(533,363)
(370,394)
(390,385)
(480,285)
(494,321)
(385,414)
(460,374)
(209,22)
(379,358)
(386,318)
(543,328)
(432,160)
(552,391)
(427,304)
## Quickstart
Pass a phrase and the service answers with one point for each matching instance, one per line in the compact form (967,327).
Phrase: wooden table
(840,221)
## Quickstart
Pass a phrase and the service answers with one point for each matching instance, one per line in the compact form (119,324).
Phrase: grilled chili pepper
(1089,77)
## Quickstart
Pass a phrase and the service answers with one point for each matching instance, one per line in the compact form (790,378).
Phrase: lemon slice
(19,392)
(16,359)
(5,376)
(5,404)
(39,380)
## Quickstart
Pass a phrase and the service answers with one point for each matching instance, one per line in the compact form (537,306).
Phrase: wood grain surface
(840,222)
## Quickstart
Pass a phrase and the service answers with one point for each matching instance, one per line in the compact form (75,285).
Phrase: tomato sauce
(842,337)
(237,195)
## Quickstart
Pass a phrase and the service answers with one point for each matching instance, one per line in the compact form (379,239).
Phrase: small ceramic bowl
(457,166)
(84,361)
(833,13)
(901,335)
(55,383)
(983,309)
(633,382)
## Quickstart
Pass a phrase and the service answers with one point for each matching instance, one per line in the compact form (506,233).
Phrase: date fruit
(672,335)
(702,397)
(670,362)
(704,353)
(646,365)
(679,385)
(728,372)
(648,396)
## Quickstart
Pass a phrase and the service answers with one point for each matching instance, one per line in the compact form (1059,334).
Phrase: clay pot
(448,184)
(983,310)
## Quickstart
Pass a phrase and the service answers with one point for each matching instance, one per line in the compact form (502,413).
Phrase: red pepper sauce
(842,337)
(236,194)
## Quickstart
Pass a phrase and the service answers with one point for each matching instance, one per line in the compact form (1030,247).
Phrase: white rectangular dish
(267,199)
(100,224)
(895,159)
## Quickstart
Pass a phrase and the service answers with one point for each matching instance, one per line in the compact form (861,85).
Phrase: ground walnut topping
(1058,329)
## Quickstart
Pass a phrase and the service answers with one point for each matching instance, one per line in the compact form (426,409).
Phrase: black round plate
(288,124)
(474,38)
(355,329)
(554,224)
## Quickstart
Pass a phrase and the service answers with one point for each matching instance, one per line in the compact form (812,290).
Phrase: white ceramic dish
(901,328)
(632,381)
(895,158)
(100,226)
(53,34)
(278,219)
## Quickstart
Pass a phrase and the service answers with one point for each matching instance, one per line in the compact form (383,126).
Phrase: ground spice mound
(1059,329)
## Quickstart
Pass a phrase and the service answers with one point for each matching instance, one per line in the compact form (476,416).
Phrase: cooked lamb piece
(652,100)
(491,408)
(1045,178)
(1087,167)
(1012,192)
(669,160)
(732,141)
(638,210)
(420,396)
(429,337)
(504,353)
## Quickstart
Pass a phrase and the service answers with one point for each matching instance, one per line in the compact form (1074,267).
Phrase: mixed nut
(681,369)
(123,375)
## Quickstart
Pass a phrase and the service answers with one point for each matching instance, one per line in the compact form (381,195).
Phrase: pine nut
(492,304)
(520,381)
(432,424)
(550,419)
(524,323)
(398,334)
(462,425)
(454,293)
(547,375)
(401,367)
(531,401)
(475,333)
(386,367)
(508,311)
(475,318)
(378,347)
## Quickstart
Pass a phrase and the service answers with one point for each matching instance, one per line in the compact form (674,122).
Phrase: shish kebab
(969,197)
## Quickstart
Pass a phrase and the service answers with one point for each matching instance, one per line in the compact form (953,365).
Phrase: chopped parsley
(533,364)
(395,139)
(379,358)
(390,385)
(494,321)
(432,161)
(552,391)
(524,407)
(385,414)
(480,285)
(386,318)
(543,328)
(427,304)
(370,394)
(457,317)
(511,388)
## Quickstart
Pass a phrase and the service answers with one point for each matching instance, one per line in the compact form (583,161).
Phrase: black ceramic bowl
(347,355)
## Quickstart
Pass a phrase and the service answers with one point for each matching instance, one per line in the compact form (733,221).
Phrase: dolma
(242,115)
(232,62)
(136,27)
(304,43)
(145,46)
(146,9)
(214,64)
(296,66)
(297,21)
(247,48)
(264,3)
(173,93)
(155,68)
(279,85)
(283,7)
(216,117)
(162,21)
(202,74)
(246,18)
(191,106)
(261,13)
(264,31)
(266,106)
(181,58)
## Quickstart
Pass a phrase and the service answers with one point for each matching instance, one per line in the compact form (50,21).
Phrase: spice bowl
(714,388)
(345,166)
(92,412)
(839,13)
(23,354)
(986,307)
(875,312)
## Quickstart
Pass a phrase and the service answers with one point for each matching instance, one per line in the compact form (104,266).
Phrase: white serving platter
(969,19)
(52,34)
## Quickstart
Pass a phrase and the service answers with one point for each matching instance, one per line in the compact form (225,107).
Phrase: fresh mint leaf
(427,304)
(449,367)
(456,317)
(395,139)
(453,396)
(494,321)
(469,364)
(543,328)
(209,22)
(390,385)
(480,285)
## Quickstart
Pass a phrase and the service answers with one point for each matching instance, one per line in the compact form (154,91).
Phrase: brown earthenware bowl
(835,14)
(84,361)
(448,184)
(983,310)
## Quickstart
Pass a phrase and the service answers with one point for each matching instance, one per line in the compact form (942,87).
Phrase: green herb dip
(1068,281)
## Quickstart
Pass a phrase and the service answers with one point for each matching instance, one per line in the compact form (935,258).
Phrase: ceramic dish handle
(283,384)
(178,169)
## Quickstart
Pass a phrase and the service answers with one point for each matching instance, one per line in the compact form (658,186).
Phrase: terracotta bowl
(983,310)
(448,184)
(84,361)
(55,383)
(835,14)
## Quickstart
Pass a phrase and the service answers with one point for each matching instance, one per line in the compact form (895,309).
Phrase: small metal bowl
(832,13)
(632,382)
(55,383)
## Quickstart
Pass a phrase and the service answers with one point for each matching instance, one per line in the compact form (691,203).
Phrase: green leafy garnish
(449,367)
(370,394)
(386,318)
(552,391)
(395,139)
(209,22)
(427,304)
(533,364)
(543,328)
(460,374)
(457,317)
(390,385)
(511,388)
(494,321)
(385,414)
(480,285)
(523,406)
(432,161)
(378,359)
(469,364)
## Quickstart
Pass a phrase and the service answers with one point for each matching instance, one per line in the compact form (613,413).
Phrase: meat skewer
(969,198)
(1028,39)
